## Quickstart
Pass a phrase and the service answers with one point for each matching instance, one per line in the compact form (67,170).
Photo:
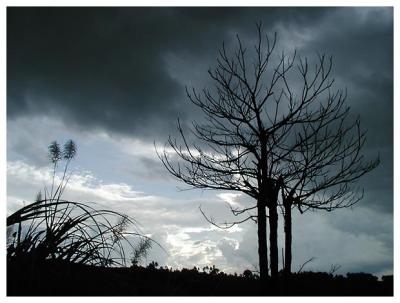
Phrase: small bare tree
(261,119)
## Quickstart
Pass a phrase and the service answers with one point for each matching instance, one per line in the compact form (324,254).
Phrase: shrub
(52,228)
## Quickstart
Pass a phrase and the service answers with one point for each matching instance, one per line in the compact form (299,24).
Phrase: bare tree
(323,161)
(258,125)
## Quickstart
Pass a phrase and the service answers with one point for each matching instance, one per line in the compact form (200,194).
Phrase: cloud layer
(124,69)
(113,79)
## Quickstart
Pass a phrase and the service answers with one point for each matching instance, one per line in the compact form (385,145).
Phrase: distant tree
(261,119)
(248,274)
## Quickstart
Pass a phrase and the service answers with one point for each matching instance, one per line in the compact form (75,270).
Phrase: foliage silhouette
(60,230)
(60,278)
(67,248)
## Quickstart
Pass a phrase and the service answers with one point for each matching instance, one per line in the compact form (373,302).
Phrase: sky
(113,80)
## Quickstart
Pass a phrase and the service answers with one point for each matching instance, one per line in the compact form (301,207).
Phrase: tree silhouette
(323,158)
(323,163)
(269,128)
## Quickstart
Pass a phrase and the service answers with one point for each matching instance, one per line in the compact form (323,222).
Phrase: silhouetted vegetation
(277,131)
(61,247)
(284,147)
(52,229)
(53,277)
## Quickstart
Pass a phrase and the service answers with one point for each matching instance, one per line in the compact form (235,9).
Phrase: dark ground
(62,279)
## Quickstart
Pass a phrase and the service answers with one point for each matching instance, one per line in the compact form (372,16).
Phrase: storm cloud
(114,78)
(109,68)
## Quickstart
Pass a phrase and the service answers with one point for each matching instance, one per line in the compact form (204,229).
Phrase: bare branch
(305,263)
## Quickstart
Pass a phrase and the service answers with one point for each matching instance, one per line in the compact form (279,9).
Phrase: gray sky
(113,80)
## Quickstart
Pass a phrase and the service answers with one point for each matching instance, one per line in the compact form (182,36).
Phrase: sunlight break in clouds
(188,237)
(230,198)
(79,184)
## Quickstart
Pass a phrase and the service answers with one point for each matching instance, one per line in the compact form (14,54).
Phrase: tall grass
(57,229)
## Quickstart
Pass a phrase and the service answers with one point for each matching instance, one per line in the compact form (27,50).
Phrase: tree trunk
(288,238)
(273,239)
(262,241)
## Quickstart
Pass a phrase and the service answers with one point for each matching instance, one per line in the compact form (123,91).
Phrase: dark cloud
(106,67)
(361,43)
(123,70)
(363,221)
(371,267)
(87,68)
